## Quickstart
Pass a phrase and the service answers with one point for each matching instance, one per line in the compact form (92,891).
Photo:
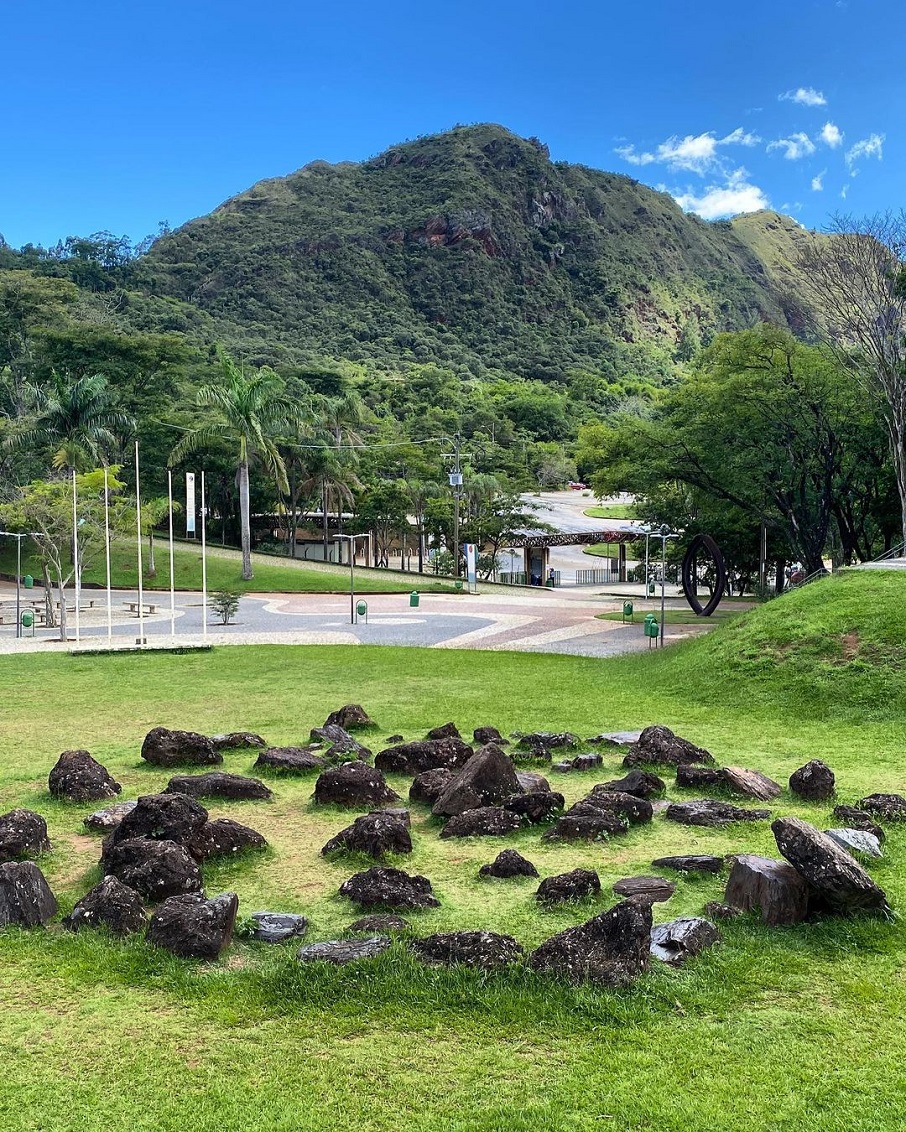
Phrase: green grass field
(775,1030)
(272,575)
(613,511)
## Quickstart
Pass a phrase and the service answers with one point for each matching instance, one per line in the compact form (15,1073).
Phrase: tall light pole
(664,534)
(18,538)
(351,540)
(456,484)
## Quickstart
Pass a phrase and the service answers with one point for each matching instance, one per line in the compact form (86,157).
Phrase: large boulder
(508,864)
(194,928)
(155,869)
(531,780)
(430,785)
(341,745)
(160,817)
(375,835)
(25,897)
(77,777)
(576,885)
(640,783)
(538,746)
(611,949)
(110,904)
(484,821)
(658,746)
(707,812)
(224,837)
(679,940)
(237,741)
(692,777)
(773,887)
(483,735)
(487,779)
(637,811)
(814,782)
(102,821)
(23,833)
(217,784)
(445,731)
(886,807)
(839,880)
(583,822)
(350,717)
(691,863)
(163,747)
(276,927)
(393,889)
(354,785)
(853,818)
(486,951)
(291,760)
(342,951)
(655,889)
(535,807)
(750,783)
(424,754)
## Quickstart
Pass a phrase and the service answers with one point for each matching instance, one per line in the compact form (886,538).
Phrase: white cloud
(818,182)
(805,96)
(872,146)
(795,146)
(740,137)
(717,201)
(628,153)
(695,153)
(844,191)
(831,135)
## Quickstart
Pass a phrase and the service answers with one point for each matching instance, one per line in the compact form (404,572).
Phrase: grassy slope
(612,511)
(774,1030)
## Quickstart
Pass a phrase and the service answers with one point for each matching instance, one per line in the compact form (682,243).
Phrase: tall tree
(250,411)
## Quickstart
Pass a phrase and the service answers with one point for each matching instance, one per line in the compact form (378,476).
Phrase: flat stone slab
(751,783)
(655,889)
(707,812)
(693,863)
(616,738)
(680,939)
(276,927)
(340,951)
(102,821)
(856,841)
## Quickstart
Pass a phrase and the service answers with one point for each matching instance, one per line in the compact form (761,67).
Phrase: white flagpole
(107,555)
(138,533)
(204,565)
(75,549)
(172,587)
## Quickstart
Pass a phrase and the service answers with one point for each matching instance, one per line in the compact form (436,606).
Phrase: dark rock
(217,784)
(853,818)
(160,817)
(276,927)
(340,951)
(536,806)
(710,813)
(843,885)
(110,904)
(102,821)
(223,837)
(341,745)
(582,822)
(616,738)
(564,766)
(718,911)
(194,928)
(639,783)
(655,889)
(611,949)
(430,785)
(237,741)
(374,834)
(77,777)
(163,747)
(23,833)
(531,782)
(814,781)
(25,897)
(658,746)
(587,762)
(637,811)
(350,717)
(699,777)
(483,735)
(486,951)
(392,739)
(772,886)
(750,783)
(508,864)
(692,863)
(486,780)
(382,887)
(537,745)
(382,925)
(290,760)
(354,785)
(445,731)
(576,885)
(856,841)
(484,821)
(886,807)
(398,812)
(424,754)
(679,940)
(155,869)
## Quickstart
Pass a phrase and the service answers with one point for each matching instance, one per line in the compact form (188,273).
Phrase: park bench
(133,607)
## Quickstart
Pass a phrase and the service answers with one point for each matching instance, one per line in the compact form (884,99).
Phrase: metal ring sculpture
(704,542)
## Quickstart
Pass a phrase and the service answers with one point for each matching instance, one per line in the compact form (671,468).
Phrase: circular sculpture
(703,542)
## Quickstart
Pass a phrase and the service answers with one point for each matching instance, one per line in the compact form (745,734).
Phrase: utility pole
(456,484)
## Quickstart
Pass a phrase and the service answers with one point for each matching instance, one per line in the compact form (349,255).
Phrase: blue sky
(117,115)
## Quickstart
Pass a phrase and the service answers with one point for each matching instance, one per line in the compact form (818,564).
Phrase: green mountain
(472,249)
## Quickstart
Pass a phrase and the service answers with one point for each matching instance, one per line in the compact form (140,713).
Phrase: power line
(318,447)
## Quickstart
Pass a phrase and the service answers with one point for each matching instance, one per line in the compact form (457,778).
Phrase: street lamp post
(351,540)
(18,537)
(664,534)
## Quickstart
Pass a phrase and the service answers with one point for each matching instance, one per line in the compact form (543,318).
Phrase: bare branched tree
(855,277)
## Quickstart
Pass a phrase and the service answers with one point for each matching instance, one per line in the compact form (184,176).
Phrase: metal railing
(597,577)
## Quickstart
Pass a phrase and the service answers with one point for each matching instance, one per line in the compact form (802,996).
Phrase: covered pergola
(536,545)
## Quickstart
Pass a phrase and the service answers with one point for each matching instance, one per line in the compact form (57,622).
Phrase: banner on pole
(472,566)
(190,503)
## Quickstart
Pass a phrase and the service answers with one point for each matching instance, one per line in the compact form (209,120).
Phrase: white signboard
(472,566)
(190,503)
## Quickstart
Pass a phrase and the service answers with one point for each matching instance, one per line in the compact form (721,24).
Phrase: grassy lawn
(674,616)
(272,575)
(775,1030)
(612,511)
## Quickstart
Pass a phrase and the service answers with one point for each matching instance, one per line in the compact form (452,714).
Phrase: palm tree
(251,411)
(78,416)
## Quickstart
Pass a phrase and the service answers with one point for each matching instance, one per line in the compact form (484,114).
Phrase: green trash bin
(652,630)
(457,585)
(413,600)
(361,610)
(628,611)
(28,619)
(651,587)
(28,581)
